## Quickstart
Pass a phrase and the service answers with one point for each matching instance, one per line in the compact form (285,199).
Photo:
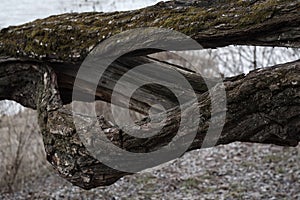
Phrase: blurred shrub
(21,150)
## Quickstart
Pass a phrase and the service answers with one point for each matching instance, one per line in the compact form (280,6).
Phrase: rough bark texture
(41,64)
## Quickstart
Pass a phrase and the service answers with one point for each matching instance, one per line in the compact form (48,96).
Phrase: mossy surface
(70,37)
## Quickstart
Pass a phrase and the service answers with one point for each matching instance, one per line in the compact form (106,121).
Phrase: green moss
(260,13)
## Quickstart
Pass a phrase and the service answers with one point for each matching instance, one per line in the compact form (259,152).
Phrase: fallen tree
(263,106)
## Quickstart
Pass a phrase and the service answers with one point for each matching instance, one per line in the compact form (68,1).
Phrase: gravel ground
(235,171)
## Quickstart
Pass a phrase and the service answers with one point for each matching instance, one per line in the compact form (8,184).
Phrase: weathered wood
(141,101)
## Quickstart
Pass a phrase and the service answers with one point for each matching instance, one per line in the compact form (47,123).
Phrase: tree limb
(70,37)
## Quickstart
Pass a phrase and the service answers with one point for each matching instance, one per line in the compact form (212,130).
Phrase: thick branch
(70,37)
(263,107)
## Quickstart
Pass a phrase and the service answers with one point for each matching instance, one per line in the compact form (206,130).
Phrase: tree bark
(263,106)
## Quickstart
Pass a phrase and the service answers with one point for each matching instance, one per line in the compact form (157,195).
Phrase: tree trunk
(263,107)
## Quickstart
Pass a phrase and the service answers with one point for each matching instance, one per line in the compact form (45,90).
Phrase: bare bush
(21,150)
(230,60)
(234,60)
